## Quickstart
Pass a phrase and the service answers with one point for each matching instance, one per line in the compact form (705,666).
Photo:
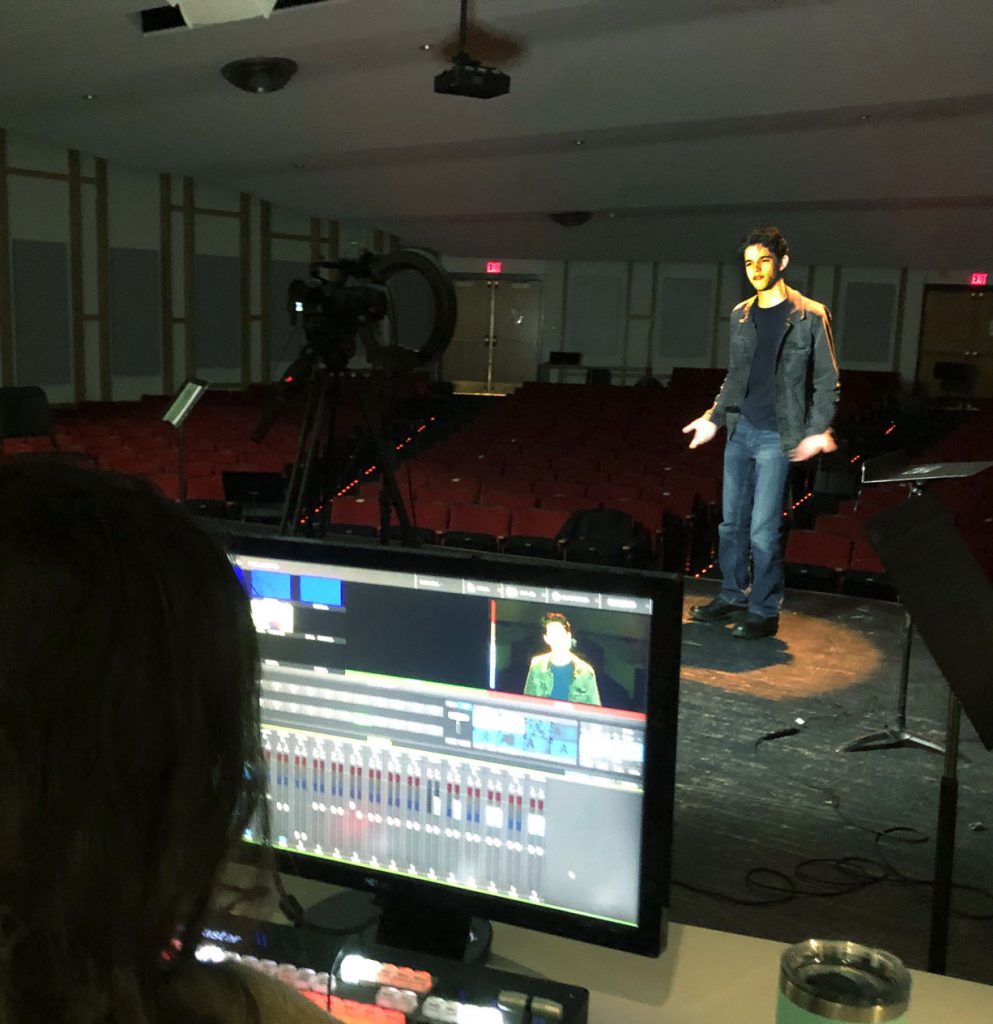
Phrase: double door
(957,328)
(495,346)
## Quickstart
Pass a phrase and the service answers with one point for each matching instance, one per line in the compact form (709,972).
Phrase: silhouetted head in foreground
(129,739)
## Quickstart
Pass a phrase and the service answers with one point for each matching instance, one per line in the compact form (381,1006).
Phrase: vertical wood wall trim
(103,278)
(315,239)
(629,285)
(76,277)
(718,322)
(265,261)
(650,350)
(901,305)
(334,239)
(565,303)
(6,290)
(189,278)
(165,282)
(377,240)
(245,285)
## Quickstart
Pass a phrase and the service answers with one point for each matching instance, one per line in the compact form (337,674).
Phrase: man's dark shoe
(717,610)
(756,626)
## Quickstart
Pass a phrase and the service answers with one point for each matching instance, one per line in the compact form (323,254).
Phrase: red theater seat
(476,527)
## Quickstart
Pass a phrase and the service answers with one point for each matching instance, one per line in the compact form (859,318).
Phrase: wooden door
(498,320)
(465,359)
(957,327)
(515,356)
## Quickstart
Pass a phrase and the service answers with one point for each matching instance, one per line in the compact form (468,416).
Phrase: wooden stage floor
(794,803)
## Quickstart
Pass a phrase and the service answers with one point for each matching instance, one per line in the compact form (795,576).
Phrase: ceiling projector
(467,77)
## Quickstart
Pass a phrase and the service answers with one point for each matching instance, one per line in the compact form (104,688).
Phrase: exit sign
(979,280)
(496,267)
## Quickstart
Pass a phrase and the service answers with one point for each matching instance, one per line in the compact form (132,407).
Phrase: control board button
(304,978)
(350,1011)
(321,982)
(508,999)
(546,1009)
(397,999)
(286,973)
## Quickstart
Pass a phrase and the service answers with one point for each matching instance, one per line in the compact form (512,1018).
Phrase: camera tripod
(309,491)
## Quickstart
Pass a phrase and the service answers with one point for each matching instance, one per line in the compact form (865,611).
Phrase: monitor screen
(491,735)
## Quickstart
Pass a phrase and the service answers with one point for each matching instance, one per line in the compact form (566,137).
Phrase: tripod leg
(944,853)
(901,715)
(375,412)
(300,475)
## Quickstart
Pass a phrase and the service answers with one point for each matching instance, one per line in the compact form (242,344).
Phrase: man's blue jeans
(755,474)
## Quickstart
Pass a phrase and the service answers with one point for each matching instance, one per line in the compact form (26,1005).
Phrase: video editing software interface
(477,734)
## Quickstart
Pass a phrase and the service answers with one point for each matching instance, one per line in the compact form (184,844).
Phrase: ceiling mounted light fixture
(572,218)
(260,74)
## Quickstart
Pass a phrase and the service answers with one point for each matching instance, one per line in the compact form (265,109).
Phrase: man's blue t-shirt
(759,404)
(562,680)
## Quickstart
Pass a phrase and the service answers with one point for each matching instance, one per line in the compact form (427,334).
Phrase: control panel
(379,985)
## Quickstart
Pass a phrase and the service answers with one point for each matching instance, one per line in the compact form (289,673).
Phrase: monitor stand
(404,923)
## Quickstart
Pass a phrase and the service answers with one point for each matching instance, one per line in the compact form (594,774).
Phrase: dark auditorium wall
(116,282)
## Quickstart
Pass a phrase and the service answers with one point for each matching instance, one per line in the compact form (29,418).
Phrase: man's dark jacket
(807,385)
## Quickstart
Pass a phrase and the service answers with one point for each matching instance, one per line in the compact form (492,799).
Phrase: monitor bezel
(648,937)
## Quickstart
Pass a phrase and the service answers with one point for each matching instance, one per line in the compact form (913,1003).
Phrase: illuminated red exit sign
(979,280)
(496,267)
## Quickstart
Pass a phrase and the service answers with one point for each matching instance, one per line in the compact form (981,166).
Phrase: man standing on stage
(777,400)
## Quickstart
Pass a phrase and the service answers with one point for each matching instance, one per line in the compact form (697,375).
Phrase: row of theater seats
(523,529)
(130,437)
(551,488)
(526,531)
(837,544)
(563,448)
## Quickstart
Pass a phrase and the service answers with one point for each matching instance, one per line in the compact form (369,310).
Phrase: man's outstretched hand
(703,430)
(813,445)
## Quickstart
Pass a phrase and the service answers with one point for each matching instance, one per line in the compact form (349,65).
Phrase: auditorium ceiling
(863,127)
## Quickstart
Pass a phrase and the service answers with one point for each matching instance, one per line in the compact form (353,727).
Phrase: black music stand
(190,392)
(943,587)
(893,468)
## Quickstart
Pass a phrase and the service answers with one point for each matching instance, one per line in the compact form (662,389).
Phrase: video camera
(347,299)
(333,311)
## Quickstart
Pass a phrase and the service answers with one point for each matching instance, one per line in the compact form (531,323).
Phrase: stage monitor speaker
(948,597)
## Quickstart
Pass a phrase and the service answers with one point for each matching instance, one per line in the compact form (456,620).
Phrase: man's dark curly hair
(550,617)
(771,237)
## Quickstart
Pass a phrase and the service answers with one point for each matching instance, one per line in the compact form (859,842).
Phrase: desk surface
(704,976)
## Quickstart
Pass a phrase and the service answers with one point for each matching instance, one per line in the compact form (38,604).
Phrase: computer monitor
(470,735)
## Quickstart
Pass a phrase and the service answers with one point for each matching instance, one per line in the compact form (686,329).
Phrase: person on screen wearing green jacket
(558,673)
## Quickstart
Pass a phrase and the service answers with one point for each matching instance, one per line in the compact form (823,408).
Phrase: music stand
(893,468)
(942,585)
(190,392)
